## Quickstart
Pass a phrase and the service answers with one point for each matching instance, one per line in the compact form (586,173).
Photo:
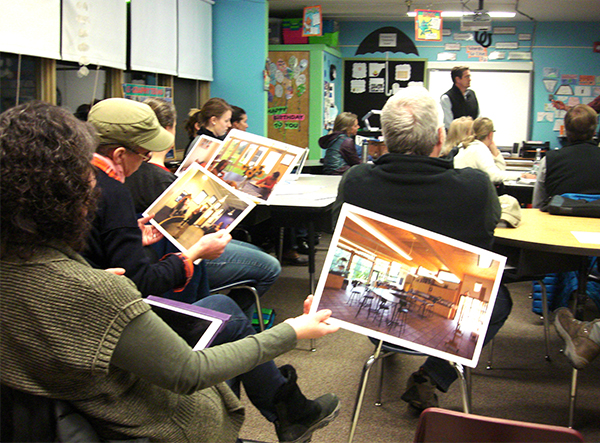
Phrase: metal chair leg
(546,319)
(464,376)
(491,356)
(362,387)
(572,397)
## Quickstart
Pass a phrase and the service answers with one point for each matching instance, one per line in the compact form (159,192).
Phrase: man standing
(413,185)
(459,100)
(573,168)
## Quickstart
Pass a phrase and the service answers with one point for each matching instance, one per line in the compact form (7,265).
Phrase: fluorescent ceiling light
(358,248)
(455,14)
(380,235)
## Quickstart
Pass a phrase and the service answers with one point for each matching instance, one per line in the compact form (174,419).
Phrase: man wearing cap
(413,185)
(129,132)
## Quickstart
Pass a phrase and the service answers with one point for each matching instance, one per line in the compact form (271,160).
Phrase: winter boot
(420,391)
(298,417)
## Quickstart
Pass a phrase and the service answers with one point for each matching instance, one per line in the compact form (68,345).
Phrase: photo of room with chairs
(408,285)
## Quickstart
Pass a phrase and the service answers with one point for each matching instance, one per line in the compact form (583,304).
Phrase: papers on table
(587,237)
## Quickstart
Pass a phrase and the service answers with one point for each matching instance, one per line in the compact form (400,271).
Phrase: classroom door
(288,107)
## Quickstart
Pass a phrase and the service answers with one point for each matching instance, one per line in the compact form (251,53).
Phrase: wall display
(565,91)
(404,276)
(312,23)
(368,83)
(288,97)
(428,25)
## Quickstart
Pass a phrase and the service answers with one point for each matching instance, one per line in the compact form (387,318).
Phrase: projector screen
(503,91)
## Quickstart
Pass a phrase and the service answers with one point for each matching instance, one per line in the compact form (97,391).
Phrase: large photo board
(253,164)
(408,286)
(196,204)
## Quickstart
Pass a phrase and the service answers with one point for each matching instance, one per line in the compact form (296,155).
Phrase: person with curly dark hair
(83,335)
(65,214)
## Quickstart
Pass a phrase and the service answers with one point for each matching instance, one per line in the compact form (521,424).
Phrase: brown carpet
(521,386)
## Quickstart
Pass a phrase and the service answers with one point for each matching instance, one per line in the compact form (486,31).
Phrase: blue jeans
(240,261)
(441,371)
(243,261)
(262,382)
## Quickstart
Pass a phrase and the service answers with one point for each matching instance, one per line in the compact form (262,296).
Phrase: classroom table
(545,243)
(306,201)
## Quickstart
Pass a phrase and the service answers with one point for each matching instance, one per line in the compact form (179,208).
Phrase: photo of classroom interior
(410,286)
(293,68)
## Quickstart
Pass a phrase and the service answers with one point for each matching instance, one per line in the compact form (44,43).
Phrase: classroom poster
(428,25)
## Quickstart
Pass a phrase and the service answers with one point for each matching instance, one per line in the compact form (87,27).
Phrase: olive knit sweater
(61,322)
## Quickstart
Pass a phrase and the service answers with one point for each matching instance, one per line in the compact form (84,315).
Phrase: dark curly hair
(47,189)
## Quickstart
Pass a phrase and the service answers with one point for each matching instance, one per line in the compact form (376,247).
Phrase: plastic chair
(390,349)
(249,285)
(444,426)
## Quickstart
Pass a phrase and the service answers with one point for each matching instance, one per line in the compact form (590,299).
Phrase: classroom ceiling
(395,10)
(432,254)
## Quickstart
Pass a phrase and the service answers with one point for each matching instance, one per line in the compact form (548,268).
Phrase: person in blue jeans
(239,260)
(83,335)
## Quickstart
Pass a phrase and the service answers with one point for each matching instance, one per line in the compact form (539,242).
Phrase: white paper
(587,237)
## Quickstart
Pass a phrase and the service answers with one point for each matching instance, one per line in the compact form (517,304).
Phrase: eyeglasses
(146,157)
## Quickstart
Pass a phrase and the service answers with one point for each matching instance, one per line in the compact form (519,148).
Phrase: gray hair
(410,122)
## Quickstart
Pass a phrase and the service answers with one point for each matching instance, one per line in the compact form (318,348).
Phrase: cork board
(288,103)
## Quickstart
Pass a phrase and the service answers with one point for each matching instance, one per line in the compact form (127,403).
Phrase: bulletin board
(288,103)
(369,83)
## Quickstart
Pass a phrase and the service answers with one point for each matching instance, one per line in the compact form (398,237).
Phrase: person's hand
(528,176)
(116,271)
(312,325)
(210,246)
(494,149)
(559,105)
(150,234)
(308,303)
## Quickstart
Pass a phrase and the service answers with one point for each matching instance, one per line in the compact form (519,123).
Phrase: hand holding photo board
(254,164)
(409,286)
(196,204)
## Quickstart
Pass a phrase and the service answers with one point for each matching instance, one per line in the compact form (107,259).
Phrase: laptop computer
(196,325)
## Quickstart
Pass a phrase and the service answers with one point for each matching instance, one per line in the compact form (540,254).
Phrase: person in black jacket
(573,168)
(459,100)
(129,131)
(413,185)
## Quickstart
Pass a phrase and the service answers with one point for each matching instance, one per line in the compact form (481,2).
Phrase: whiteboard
(504,92)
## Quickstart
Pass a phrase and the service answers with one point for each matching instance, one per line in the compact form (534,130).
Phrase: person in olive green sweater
(84,335)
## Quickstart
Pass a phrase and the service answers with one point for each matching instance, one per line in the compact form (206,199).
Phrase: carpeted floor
(521,386)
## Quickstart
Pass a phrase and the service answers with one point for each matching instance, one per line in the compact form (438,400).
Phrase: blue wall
(240,51)
(239,54)
(564,46)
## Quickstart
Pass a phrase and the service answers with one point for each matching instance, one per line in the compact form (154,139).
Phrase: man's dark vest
(462,107)
(573,169)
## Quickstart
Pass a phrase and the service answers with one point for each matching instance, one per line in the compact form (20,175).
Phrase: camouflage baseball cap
(120,120)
